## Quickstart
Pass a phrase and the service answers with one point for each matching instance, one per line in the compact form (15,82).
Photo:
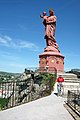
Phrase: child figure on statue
(44,16)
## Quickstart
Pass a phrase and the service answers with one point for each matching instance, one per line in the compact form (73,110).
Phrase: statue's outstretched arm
(41,16)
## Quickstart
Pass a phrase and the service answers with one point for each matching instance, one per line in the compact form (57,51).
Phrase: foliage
(3,102)
(49,78)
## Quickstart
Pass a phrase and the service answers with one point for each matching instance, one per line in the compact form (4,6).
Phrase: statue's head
(51,12)
(44,13)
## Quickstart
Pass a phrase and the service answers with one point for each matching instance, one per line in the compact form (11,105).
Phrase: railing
(73,100)
(17,92)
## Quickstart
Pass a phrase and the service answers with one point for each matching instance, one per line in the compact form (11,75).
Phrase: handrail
(13,93)
(73,100)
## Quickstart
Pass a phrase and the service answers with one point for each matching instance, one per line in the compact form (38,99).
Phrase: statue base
(51,59)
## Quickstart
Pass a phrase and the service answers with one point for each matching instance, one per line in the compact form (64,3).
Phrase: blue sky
(22,32)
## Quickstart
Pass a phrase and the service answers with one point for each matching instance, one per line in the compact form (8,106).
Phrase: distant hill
(75,71)
(8,73)
(6,76)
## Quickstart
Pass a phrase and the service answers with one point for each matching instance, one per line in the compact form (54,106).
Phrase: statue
(50,26)
(51,59)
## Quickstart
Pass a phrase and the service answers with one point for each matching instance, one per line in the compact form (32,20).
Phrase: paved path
(47,108)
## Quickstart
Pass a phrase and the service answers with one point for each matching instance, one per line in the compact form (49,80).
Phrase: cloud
(5,40)
(17,44)
(9,57)
(16,65)
(26,44)
(22,27)
(71,55)
(6,29)
(12,67)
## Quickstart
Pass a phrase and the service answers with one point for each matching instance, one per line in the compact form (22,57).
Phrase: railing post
(68,96)
(13,96)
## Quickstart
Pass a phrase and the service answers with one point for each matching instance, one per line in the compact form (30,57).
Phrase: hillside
(6,76)
(75,71)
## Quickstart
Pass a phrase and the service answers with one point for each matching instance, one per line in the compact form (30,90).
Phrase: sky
(22,32)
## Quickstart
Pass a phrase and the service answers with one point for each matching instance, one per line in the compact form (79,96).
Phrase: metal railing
(73,100)
(17,92)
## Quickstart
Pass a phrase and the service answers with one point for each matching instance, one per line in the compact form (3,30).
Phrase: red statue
(50,26)
(51,59)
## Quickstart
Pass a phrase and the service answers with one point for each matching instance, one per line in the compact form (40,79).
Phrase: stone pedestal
(51,59)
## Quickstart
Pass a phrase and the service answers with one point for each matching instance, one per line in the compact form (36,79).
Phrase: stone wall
(70,85)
